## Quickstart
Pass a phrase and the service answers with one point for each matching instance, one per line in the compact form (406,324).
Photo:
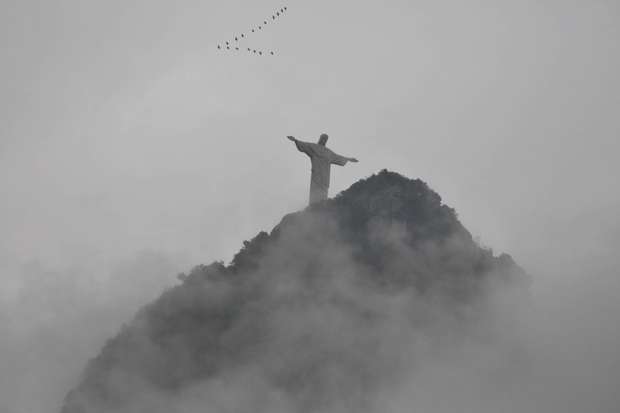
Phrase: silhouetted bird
(228,47)
(242,35)
(278,13)
(265,22)
(219,47)
(254,51)
(252,30)
(272,53)
(260,53)
(236,39)
(273,17)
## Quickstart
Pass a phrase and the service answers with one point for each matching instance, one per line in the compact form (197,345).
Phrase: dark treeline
(316,315)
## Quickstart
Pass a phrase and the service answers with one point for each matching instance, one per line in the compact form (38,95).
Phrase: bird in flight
(238,38)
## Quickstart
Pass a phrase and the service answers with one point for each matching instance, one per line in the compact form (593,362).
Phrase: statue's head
(323,139)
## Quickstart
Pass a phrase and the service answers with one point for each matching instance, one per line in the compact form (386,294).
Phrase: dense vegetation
(307,306)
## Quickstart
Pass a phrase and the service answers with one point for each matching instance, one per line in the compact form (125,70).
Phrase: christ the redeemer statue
(321,158)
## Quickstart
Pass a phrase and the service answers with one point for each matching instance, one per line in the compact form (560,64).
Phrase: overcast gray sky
(125,133)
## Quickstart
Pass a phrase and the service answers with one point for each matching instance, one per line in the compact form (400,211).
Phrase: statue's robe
(322,158)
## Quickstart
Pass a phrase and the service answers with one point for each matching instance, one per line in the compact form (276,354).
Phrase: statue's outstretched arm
(302,146)
(341,160)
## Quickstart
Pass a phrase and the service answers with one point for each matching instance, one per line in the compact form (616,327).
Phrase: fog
(131,150)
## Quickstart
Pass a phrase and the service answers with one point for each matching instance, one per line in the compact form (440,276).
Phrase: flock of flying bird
(233,45)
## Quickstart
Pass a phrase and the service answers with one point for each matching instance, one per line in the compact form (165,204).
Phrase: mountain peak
(384,249)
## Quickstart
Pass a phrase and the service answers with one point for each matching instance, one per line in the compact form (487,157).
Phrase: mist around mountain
(342,307)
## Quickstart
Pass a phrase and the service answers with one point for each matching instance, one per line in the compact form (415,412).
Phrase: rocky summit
(328,312)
